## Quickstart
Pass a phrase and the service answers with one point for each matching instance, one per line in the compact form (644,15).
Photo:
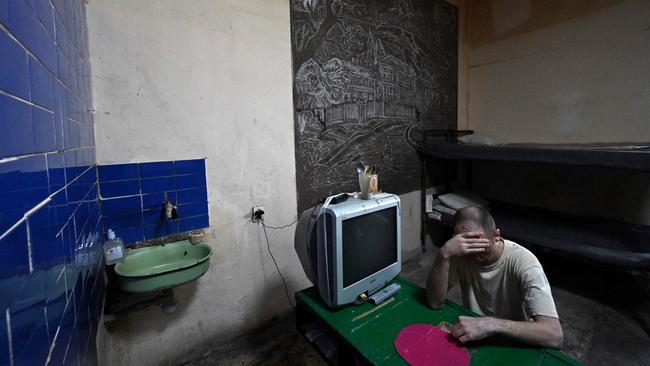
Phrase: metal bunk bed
(606,242)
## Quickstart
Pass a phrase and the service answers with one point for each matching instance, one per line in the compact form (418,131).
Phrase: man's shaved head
(472,218)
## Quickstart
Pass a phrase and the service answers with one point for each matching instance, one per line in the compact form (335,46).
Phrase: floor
(600,309)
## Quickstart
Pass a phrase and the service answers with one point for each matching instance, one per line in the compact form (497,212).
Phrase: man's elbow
(435,303)
(557,338)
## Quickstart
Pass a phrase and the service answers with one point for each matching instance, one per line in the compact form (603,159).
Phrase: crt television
(350,248)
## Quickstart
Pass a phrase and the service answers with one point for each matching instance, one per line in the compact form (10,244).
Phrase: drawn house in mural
(390,96)
(396,90)
(359,89)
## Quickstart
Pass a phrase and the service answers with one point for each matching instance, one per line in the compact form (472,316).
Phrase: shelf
(628,158)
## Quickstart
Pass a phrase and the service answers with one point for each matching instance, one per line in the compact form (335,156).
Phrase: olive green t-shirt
(514,287)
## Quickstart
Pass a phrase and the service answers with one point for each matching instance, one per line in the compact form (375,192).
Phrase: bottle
(113,249)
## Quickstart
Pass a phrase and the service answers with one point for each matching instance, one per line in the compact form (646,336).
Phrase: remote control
(379,297)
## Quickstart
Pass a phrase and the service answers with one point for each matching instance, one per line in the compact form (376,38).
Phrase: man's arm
(544,331)
(438,279)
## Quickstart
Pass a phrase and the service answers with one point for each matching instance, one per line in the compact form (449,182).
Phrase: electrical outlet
(256,213)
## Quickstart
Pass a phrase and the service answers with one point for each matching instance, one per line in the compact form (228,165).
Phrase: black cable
(268,246)
(279,227)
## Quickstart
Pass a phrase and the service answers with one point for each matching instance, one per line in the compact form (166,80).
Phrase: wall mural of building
(366,74)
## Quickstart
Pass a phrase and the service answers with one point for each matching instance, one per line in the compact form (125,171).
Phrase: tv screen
(369,244)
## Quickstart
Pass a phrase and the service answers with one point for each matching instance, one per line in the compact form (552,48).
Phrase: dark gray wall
(367,73)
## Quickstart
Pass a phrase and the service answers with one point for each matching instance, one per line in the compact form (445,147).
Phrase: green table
(367,332)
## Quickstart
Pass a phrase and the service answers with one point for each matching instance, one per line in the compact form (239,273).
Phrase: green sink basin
(163,266)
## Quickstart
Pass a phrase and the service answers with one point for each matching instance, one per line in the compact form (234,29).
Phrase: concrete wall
(214,79)
(556,71)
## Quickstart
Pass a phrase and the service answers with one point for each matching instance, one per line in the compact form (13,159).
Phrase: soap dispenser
(114,250)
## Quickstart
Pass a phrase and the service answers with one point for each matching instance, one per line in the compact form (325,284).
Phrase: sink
(162,267)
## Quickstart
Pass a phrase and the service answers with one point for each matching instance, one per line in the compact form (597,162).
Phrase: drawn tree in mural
(365,73)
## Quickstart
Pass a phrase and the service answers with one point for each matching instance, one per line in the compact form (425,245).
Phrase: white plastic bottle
(113,249)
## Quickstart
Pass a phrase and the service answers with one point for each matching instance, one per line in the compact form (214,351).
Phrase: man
(499,279)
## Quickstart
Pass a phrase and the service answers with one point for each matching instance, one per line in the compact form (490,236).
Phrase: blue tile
(22,174)
(74,346)
(114,172)
(9,216)
(81,216)
(119,188)
(27,29)
(129,236)
(44,130)
(154,185)
(55,304)
(156,169)
(196,166)
(56,171)
(45,13)
(14,75)
(4,18)
(63,338)
(58,116)
(4,342)
(75,193)
(48,215)
(87,156)
(67,237)
(71,166)
(190,181)
(16,123)
(163,228)
(25,199)
(71,136)
(151,217)
(192,195)
(28,323)
(46,248)
(34,349)
(40,83)
(193,223)
(14,259)
(120,206)
(156,200)
(11,288)
(193,209)
(90,176)
(85,137)
(130,220)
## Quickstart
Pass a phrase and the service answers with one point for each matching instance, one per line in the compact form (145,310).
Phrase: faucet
(169,210)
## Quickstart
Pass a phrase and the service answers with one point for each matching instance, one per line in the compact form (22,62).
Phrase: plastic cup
(364,186)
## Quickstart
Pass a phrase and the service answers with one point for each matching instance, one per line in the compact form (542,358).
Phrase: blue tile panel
(132,196)
(51,275)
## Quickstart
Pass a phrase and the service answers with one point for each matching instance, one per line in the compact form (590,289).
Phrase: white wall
(553,71)
(173,81)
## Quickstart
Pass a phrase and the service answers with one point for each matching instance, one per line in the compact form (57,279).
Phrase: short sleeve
(536,292)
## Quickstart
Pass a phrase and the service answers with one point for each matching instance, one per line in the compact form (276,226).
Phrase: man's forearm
(534,333)
(437,281)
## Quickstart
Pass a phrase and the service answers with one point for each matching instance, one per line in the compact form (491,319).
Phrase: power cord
(279,227)
(259,217)
(268,246)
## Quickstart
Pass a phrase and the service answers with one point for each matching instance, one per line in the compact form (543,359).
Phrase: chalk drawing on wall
(366,72)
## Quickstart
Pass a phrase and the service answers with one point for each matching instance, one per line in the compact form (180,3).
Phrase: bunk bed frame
(606,242)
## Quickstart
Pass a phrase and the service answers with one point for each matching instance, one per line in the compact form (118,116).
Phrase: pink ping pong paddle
(427,345)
